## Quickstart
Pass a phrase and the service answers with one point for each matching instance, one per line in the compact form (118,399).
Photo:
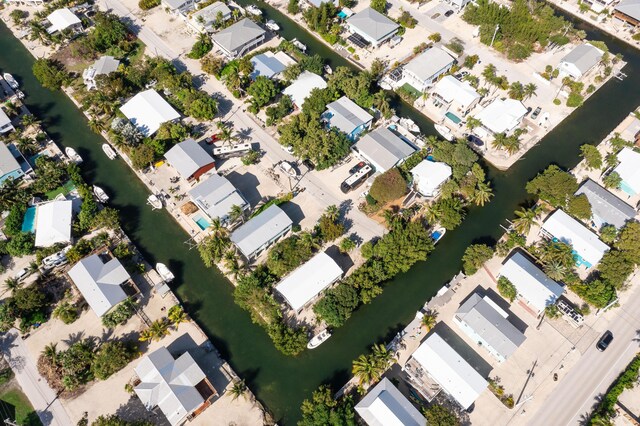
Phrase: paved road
(578,391)
(41,396)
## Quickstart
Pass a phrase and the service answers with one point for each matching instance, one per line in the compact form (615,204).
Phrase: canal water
(282,382)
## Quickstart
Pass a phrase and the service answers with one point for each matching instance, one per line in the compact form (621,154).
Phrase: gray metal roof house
(9,166)
(606,208)
(260,232)
(373,26)
(103,66)
(346,116)
(215,196)
(189,159)
(425,69)
(203,20)
(383,149)
(580,60)
(5,122)
(385,405)
(486,323)
(628,11)
(237,39)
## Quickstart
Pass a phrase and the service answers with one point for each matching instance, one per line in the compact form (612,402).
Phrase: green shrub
(120,314)
(148,4)
(507,289)
(388,186)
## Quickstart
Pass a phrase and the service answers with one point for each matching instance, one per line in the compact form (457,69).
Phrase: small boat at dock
(444,131)
(437,234)
(252,9)
(164,272)
(299,45)
(109,151)
(272,25)
(154,202)
(410,125)
(10,80)
(328,69)
(319,339)
(100,194)
(73,155)
(385,85)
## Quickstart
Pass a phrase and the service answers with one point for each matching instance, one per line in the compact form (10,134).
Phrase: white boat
(10,80)
(272,25)
(384,85)
(328,69)
(319,339)
(164,272)
(444,131)
(73,155)
(100,194)
(299,45)
(253,10)
(154,201)
(288,169)
(437,234)
(109,151)
(409,124)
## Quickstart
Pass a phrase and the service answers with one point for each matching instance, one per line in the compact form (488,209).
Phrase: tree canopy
(553,185)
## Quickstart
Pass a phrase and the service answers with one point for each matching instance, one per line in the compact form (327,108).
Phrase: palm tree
(12,283)
(232,79)
(525,219)
(50,352)
(366,369)
(156,331)
(231,262)
(235,213)
(96,125)
(226,134)
(489,74)
(472,80)
(530,90)
(516,91)
(482,194)
(472,123)
(555,270)
(499,141)
(381,102)
(238,389)
(429,320)
(28,119)
(177,316)
(332,212)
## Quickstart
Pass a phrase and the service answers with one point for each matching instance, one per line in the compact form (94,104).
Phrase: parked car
(536,113)
(357,167)
(448,13)
(288,169)
(56,259)
(435,15)
(21,274)
(288,149)
(309,164)
(213,138)
(604,341)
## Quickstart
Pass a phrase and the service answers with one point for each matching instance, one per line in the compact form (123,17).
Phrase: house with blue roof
(346,116)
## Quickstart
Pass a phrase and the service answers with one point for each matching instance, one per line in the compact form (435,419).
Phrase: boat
(384,85)
(272,25)
(73,155)
(100,194)
(319,339)
(10,80)
(437,234)
(328,69)
(154,201)
(299,45)
(288,169)
(409,124)
(252,9)
(19,94)
(164,272)
(444,131)
(109,151)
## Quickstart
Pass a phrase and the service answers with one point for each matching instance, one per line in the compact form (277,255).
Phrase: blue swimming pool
(451,116)
(28,223)
(202,222)
(342,15)
(626,188)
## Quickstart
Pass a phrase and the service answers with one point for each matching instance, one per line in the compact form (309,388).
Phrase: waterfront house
(429,176)
(486,324)
(598,5)
(178,6)
(190,159)
(5,122)
(261,231)
(270,65)
(455,376)
(9,166)
(628,11)
(383,149)
(99,277)
(103,66)
(425,69)
(53,223)
(177,386)
(301,87)
(630,129)
(580,61)
(532,284)
(148,111)
(500,116)
(606,208)
(346,116)
(204,19)
(63,19)
(587,247)
(455,95)
(629,171)
(239,38)
(374,27)
(216,196)
(304,284)
(385,405)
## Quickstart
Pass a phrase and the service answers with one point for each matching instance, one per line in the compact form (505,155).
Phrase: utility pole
(494,35)
(9,422)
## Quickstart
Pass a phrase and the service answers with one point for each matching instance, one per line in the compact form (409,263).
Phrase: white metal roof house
(630,129)
(239,38)
(63,19)
(300,89)
(262,231)
(456,377)
(346,116)
(456,95)
(9,166)
(100,282)
(53,223)
(487,324)
(428,177)
(103,66)
(305,283)
(148,111)
(5,122)
(171,384)
(628,11)
(425,69)
(202,21)
(189,159)
(629,170)
(373,26)
(383,149)
(384,405)
(606,208)
(587,246)
(178,6)
(580,61)
(215,196)
(598,5)
(269,64)
(502,116)
(532,284)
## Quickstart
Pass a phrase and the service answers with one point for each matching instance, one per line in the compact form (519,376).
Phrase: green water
(282,382)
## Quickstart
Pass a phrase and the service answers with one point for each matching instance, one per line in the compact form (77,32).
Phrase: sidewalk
(41,396)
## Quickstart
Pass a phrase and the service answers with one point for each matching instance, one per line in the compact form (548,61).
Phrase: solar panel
(358,40)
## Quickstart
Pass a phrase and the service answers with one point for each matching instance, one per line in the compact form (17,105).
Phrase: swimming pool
(451,116)
(626,188)
(342,15)
(202,222)
(28,223)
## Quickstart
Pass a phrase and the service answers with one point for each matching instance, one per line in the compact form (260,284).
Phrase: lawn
(15,405)
(64,189)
